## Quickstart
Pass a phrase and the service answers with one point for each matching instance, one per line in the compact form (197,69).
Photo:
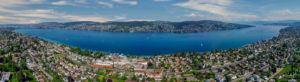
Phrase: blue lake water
(144,44)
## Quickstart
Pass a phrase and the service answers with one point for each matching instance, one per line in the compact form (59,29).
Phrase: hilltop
(140,26)
(279,23)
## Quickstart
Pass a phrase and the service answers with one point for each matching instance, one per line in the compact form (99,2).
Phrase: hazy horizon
(37,11)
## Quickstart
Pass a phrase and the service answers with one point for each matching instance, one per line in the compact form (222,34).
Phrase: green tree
(23,63)
(124,77)
(1,52)
(20,76)
(134,77)
(86,53)
(164,80)
(76,50)
(155,54)
(102,78)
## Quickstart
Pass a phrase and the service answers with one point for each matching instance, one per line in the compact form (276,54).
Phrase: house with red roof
(155,73)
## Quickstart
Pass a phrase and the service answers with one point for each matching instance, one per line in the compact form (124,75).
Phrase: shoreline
(234,62)
(139,55)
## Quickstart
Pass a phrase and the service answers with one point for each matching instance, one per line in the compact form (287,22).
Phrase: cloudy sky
(36,11)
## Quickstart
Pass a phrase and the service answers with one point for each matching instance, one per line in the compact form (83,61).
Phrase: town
(27,58)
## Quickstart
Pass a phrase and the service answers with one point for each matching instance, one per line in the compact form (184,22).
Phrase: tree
(102,78)
(114,76)
(162,64)
(150,65)
(183,53)
(1,52)
(134,77)
(213,51)
(124,77)
(57,78)
(23,63)
(98,54)
(75,49)
(164,80)
(109,80)
(143,80)
(20,76)
(86,53)
(173,80)
(155,54)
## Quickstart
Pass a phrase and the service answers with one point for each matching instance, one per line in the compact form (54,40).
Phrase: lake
(147,44)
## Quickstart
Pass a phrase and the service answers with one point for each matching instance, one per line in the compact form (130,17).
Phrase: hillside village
(27,58)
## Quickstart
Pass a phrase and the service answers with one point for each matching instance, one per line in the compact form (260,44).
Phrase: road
(277,71)
(222,66)
(248,75)
(41,68)
(19,58)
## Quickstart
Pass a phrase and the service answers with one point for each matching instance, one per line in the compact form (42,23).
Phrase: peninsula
(140,26)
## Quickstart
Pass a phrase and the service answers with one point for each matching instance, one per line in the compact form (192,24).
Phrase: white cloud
(80,1)
(17,20)
(212,6)
(162,0)
(139,20)
(3,10)
(191,15)
(198,16)
(282,15)
(11,14)
(119,18)
(64,2)
(43,15)
(40,13)
(126,2)
(80,18)
(217,7)
(106,4)
(16,3)
(60,3)
(8,18)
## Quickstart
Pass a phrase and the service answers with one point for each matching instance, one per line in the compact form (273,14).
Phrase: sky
(37,11)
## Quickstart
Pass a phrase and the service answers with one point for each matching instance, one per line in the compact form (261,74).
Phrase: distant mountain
(142,26)
(281,23)
(296,23)
(293,31)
